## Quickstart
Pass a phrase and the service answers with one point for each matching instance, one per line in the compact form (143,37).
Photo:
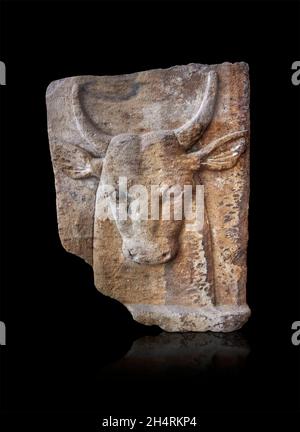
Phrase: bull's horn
(96,141)
(192,130)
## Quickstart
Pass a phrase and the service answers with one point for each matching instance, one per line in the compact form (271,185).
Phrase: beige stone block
(186,126)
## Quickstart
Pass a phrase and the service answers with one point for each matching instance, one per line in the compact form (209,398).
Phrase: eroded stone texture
(187,125)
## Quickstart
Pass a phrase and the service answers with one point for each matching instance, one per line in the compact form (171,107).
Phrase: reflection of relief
(154,265)
(166,355)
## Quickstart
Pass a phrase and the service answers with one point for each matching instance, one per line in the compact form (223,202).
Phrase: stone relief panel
(152,182)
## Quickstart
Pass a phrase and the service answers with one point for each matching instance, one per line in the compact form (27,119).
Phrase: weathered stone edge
(184,318)
(57,83)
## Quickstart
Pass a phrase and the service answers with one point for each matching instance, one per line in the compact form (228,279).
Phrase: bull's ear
(225,158)
(222,153)
(77,163)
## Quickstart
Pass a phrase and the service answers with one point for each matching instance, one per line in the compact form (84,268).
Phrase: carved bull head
(154,158)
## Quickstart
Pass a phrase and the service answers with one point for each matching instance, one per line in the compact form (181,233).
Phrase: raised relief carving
(151,175)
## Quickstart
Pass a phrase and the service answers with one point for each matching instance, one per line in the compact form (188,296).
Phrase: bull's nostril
(131,253)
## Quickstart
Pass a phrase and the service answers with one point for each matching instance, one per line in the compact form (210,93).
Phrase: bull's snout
(141,258)
(149,254)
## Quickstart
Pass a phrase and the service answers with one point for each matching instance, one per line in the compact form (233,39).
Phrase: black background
(60,330)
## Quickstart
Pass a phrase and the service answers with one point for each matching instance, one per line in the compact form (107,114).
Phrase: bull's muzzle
(145,253)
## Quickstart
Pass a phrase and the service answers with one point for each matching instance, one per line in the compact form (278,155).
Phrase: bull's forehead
(145,159)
